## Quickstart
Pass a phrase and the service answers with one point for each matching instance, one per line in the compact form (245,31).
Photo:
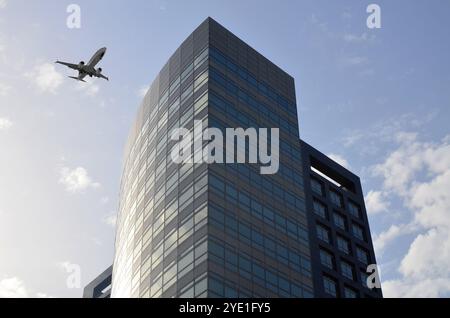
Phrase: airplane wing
(102,76)
(73,66)
(97,57)
(80,77)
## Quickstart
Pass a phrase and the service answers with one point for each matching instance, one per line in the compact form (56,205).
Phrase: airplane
(89,68)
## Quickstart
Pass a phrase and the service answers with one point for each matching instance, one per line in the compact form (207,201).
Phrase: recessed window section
(358,231)
(347,270)
(362,255)
(323,175)
(339,220)
(364,276)
(323,233)
(319,209)
(343,245)
(330,286)
(334,176)
(336,198)
(354,209)
(350,293)
(326,259)
(317,186)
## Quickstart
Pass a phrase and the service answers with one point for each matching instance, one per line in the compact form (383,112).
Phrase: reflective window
(317,186)
(343,245)
(364,276)
(336,198)
(354,209)
(326,259)
(319,209)
(350,293)
(362,255)
(330,286)
(347,270)
(323,233)
(339,220)
(358,231)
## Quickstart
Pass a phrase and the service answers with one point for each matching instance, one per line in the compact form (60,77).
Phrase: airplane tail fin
(76,78)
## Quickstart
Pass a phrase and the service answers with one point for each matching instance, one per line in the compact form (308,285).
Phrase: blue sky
(376,100)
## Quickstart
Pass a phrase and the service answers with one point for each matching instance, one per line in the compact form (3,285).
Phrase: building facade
(224,230)
(340,240)
(100,287)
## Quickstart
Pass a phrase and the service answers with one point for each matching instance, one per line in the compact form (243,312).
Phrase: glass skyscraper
(226,230)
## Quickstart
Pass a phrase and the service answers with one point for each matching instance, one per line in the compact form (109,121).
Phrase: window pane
(339,220)
(319,209)
(316,186)
(362,255)
(329,286)
(358,232)
(343,245)
(336,198)
(354,209)
(323,234)
(347,270)
(350,293)
(364,277)
(326,259)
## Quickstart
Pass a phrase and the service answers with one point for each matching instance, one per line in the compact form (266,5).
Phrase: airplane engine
(99,70)
(81,64)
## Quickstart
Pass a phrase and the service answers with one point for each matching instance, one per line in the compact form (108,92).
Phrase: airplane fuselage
(88,68)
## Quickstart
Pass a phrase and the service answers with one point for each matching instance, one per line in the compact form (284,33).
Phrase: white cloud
(376,202)
(402,165)
(426,288)
(45,77)
(92,90)
(346,15)
(320,25)
(340,160)
(418,173)
(4,88)
(353,138)
(111,219)
(2,52)
(3,4)
(89,88)
(354,38)
(367,72)
(106,102)
(143,90)
(5,123)
(76,180)
(428,256)
(431,200)
(354,60)
(13,287)
(97,241)
(104,200)
(371,140)
(381,240)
